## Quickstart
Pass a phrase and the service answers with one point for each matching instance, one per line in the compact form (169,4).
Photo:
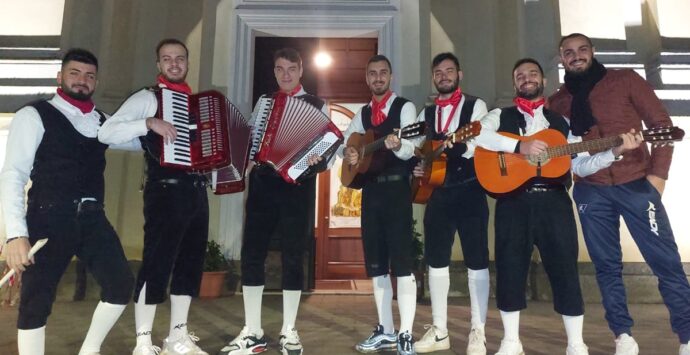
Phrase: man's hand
(163,128)
(630,141)
(351,155)
(418,170)
(393,142)
(16,254)
(658,183)
(534,147)
(313,159)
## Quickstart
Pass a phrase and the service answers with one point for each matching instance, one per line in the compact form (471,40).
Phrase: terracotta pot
(212,284)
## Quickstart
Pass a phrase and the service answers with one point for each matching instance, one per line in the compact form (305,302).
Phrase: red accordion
(287,131)
(212,136)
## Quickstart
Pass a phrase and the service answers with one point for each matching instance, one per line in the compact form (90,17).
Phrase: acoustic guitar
(355,176)
(434,161)
(501,172)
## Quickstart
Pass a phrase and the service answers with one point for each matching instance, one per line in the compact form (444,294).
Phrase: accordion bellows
(287,131)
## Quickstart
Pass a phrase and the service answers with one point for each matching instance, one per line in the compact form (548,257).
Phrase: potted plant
(215,270)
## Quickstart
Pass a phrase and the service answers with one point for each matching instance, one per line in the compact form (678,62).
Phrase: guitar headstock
(413,130)
(660,136)
(467,132)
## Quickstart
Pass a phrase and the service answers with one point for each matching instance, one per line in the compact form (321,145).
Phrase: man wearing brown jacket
(603,103)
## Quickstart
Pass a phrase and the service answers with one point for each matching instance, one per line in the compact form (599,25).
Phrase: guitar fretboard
(574,148)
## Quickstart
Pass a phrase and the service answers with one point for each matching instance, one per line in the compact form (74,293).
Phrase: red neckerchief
(377,115)
(85,106)
(295,90)
(441,103)
(528,106)
(181,87)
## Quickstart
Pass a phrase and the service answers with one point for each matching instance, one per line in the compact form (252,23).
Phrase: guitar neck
(374,146)
(574,148)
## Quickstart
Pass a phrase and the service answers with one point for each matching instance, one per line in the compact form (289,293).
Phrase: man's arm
(25,135)
(408,116)
(585,164)
(350,155)
(654,114)
(130,120)
(490,139)
(478,112)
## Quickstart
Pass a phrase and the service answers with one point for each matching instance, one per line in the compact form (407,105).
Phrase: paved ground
(332,324)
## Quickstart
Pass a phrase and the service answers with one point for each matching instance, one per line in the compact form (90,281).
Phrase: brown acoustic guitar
(434,161)
(355,176)
(500,172)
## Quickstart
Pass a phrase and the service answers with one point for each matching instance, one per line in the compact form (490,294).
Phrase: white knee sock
(31,341)
(407,302)
(179,309)
(290,307)
(439,284)
(573,329)
(511,325)
(478,283)
(383,296)
(104,317)
(252,307)
(143,318)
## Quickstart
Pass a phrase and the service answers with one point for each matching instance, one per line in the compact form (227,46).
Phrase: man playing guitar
(459,205)
(387,209)
(540,212)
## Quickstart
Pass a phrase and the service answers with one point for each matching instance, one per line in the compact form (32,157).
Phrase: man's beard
(380,91)
(580,73)
(79,96)
(447,90)
(539,91)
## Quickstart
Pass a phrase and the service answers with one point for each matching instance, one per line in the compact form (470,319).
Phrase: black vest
(67,166)
(384,159)
(458,168)
(513,121)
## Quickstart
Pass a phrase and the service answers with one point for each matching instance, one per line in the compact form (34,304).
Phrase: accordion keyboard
(258,121)
(176,112)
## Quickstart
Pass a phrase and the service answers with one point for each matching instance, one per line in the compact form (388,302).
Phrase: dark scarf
(580,86)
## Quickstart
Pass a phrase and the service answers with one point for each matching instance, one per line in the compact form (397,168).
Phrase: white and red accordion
(212,134)
(287,131)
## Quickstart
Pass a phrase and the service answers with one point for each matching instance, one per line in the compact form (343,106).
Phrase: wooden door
(339,255)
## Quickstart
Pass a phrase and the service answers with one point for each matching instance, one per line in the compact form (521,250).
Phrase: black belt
(390,178)
(544,188)
(77,206)
(195,182)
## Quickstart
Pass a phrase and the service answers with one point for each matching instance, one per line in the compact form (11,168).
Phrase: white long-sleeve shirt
(479,110)
(25,136)
(408,116)
(582,165)
(129,121)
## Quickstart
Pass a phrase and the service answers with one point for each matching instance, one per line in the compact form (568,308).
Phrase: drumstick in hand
(39,244)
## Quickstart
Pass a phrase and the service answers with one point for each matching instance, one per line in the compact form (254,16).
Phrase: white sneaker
(626,345)
(245,343)
(684,349)
(510,347)
(434,339)
(290,343)
(577,349)
(476,342)
(185,345)
(146,350)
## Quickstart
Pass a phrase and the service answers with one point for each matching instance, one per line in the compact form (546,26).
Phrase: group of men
(60,145)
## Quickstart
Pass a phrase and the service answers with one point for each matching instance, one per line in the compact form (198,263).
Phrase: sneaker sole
(393,347)
(431,349)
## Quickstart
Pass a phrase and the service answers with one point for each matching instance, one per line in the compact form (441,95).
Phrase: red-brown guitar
(434,161)
(501,172)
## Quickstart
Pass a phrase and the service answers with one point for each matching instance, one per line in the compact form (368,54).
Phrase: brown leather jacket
(620,101)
